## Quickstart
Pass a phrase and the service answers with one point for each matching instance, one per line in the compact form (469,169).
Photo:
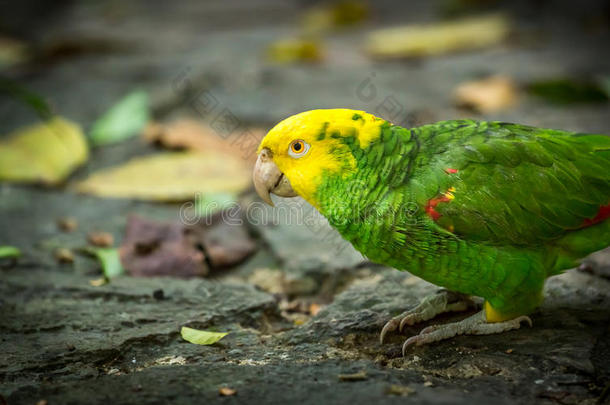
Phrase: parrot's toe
(431,306)
(473,325)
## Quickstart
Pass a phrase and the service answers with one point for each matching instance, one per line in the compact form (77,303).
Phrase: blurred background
(128,133)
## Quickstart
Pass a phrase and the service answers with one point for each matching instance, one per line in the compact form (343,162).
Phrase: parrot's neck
(365,200)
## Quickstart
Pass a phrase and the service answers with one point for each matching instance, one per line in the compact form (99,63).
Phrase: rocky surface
(305,311)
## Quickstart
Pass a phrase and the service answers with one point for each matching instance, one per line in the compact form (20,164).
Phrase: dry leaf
(153,248)
(170,177)
(197,136)
(438,38)
(45,153)
(226,391)
(201,337)
(226,244)
(491,94)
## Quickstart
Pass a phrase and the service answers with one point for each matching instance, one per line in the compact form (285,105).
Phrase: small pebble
(67,224)
(64,255)
(100,239)
(359,376)
(227,392)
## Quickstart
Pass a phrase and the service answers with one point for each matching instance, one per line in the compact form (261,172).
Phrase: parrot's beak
(268,178)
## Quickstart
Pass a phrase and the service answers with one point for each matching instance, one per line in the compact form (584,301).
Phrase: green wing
(511,184)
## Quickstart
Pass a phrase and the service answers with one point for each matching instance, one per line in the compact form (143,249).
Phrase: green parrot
(487,209)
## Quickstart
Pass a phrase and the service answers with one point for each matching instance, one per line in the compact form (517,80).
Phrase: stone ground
(65,341)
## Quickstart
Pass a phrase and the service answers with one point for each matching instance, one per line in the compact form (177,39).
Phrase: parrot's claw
(473,325)
(443,301)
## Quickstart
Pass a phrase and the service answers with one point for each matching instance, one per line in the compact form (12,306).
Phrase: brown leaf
(153,248)
(224,243)
(491,94)
(197,136)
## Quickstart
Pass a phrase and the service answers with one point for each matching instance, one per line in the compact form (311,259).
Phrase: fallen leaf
(123,120)
(359,376)
(100,239)
(170,177)
(226,391)
(291,50)
(197,136)
(67,224)
(45,153)
(491,94)
(152,248)
(9,252)
(109,259)
(201,337)
(438,38)
(225,241)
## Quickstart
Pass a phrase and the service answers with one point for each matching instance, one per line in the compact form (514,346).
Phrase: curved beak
(268,178)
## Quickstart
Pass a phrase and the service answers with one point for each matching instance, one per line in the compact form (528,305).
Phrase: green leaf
(109,259)
(123,120)
(9,251)
(201,337)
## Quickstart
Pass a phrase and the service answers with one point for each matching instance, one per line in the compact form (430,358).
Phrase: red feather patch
(602,214)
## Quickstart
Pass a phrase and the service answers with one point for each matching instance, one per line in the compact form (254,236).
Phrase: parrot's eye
(298,148)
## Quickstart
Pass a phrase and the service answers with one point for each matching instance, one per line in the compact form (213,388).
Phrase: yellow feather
(326,154)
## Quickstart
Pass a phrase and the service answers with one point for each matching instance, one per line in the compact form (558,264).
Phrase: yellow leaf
(439,38)
(201,337)
(45,153)
(170,177)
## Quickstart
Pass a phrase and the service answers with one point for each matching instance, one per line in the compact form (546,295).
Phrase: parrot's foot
(473,325)
(431,306)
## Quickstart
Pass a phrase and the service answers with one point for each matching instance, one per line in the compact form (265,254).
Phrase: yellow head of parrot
(297,153)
